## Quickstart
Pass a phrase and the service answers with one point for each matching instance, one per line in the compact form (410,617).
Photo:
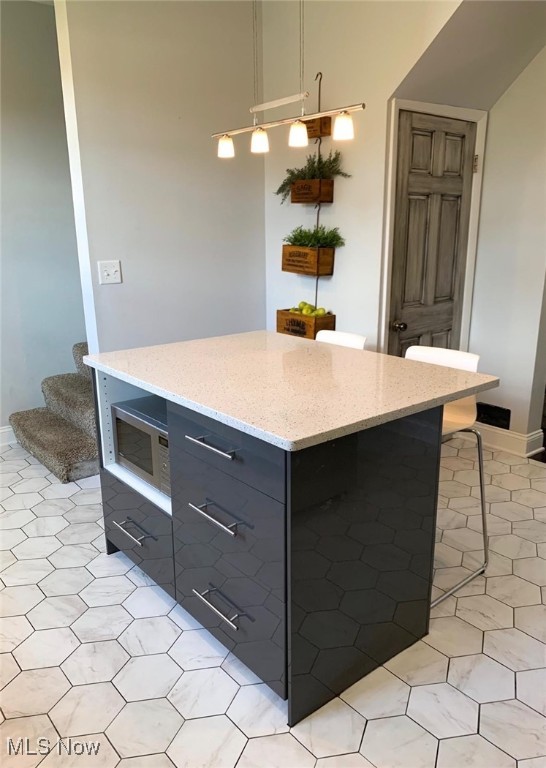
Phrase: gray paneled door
(433,187)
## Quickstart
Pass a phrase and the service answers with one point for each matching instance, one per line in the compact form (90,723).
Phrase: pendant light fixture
(343,127)
(259,143)
(298,136)
(290,120)
(225,146)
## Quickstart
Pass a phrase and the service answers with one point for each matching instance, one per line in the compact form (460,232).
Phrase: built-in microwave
(141,439)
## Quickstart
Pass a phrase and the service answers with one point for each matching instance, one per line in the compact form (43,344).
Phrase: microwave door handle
(138,422)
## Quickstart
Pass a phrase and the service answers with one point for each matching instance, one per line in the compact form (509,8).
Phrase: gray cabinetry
(137,527)
(229,541)
(254,462)
(313,567)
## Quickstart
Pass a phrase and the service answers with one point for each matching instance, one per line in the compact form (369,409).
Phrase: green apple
(301,305)
(307,310)
(320,312)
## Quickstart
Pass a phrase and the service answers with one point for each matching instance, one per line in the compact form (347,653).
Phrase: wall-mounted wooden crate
(319,127)
(305,326)
(308,261)
(312,191)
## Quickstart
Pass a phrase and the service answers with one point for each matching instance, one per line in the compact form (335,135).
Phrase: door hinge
(475,164)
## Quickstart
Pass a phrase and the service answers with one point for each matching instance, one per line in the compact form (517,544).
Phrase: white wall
(364,51)
(41,304)
(511,262)
(152,81)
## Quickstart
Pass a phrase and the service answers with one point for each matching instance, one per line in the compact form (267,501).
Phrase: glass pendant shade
(259,142)
(343,127)
(225,146)
(298,135)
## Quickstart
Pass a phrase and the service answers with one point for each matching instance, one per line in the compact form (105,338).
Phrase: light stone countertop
(288,391)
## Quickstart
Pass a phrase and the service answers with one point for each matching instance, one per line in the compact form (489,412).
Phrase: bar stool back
(459,416)
(342,339)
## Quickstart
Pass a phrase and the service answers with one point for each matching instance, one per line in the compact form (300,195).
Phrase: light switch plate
(109,272)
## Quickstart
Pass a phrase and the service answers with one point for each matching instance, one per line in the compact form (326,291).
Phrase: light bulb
(259,142)
(225,146)
(343,127)
(298,135)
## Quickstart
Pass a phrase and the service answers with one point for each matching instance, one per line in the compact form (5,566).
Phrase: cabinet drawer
(235,453)
(138,528)
(229,550)
(260,638)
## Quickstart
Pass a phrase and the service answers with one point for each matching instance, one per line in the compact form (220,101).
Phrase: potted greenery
(311,251)
(314,182)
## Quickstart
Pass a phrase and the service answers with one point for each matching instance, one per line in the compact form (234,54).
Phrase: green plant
(320,237)
(316,167)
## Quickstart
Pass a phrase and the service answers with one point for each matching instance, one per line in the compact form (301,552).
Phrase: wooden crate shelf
(312,191)
(316,262)
(305,326)
(319,127)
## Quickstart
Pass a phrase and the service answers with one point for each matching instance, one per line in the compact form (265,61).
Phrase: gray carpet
(64,449)
(78,352)
(62,436)
(70,395)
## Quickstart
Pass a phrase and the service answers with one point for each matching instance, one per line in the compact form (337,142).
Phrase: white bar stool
(459,416)
(342,339)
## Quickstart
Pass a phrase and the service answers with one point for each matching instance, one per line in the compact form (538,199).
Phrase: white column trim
(74,158)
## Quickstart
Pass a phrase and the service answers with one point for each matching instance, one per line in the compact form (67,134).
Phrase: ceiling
(478,54)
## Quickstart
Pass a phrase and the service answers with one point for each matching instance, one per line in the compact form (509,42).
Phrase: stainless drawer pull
(202,597)
(201,441)
(140,538)
(201,511)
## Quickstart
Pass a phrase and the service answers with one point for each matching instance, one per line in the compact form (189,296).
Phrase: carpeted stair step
(70,395)
(64,449)
(78,352)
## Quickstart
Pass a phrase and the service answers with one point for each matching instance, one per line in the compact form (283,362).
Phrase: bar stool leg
(485,563)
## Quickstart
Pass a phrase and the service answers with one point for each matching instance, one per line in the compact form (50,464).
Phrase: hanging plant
(315,170)
(319,237)
(311,251)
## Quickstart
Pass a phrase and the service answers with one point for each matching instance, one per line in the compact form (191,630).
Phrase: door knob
(398,326)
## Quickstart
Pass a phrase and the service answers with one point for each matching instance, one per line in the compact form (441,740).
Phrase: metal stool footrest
(479,571)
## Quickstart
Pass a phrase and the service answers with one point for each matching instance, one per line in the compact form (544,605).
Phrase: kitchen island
(301,521)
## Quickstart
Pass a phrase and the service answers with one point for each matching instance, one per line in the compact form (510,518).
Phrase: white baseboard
(512,442)
(6,436)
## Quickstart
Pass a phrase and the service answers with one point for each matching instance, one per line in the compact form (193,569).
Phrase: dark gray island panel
(361,522)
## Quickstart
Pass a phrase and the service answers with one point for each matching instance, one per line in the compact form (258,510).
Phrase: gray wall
(152,81)
(41,304)
(508,314)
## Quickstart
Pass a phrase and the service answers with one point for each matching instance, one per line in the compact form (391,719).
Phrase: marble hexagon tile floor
(93,651)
